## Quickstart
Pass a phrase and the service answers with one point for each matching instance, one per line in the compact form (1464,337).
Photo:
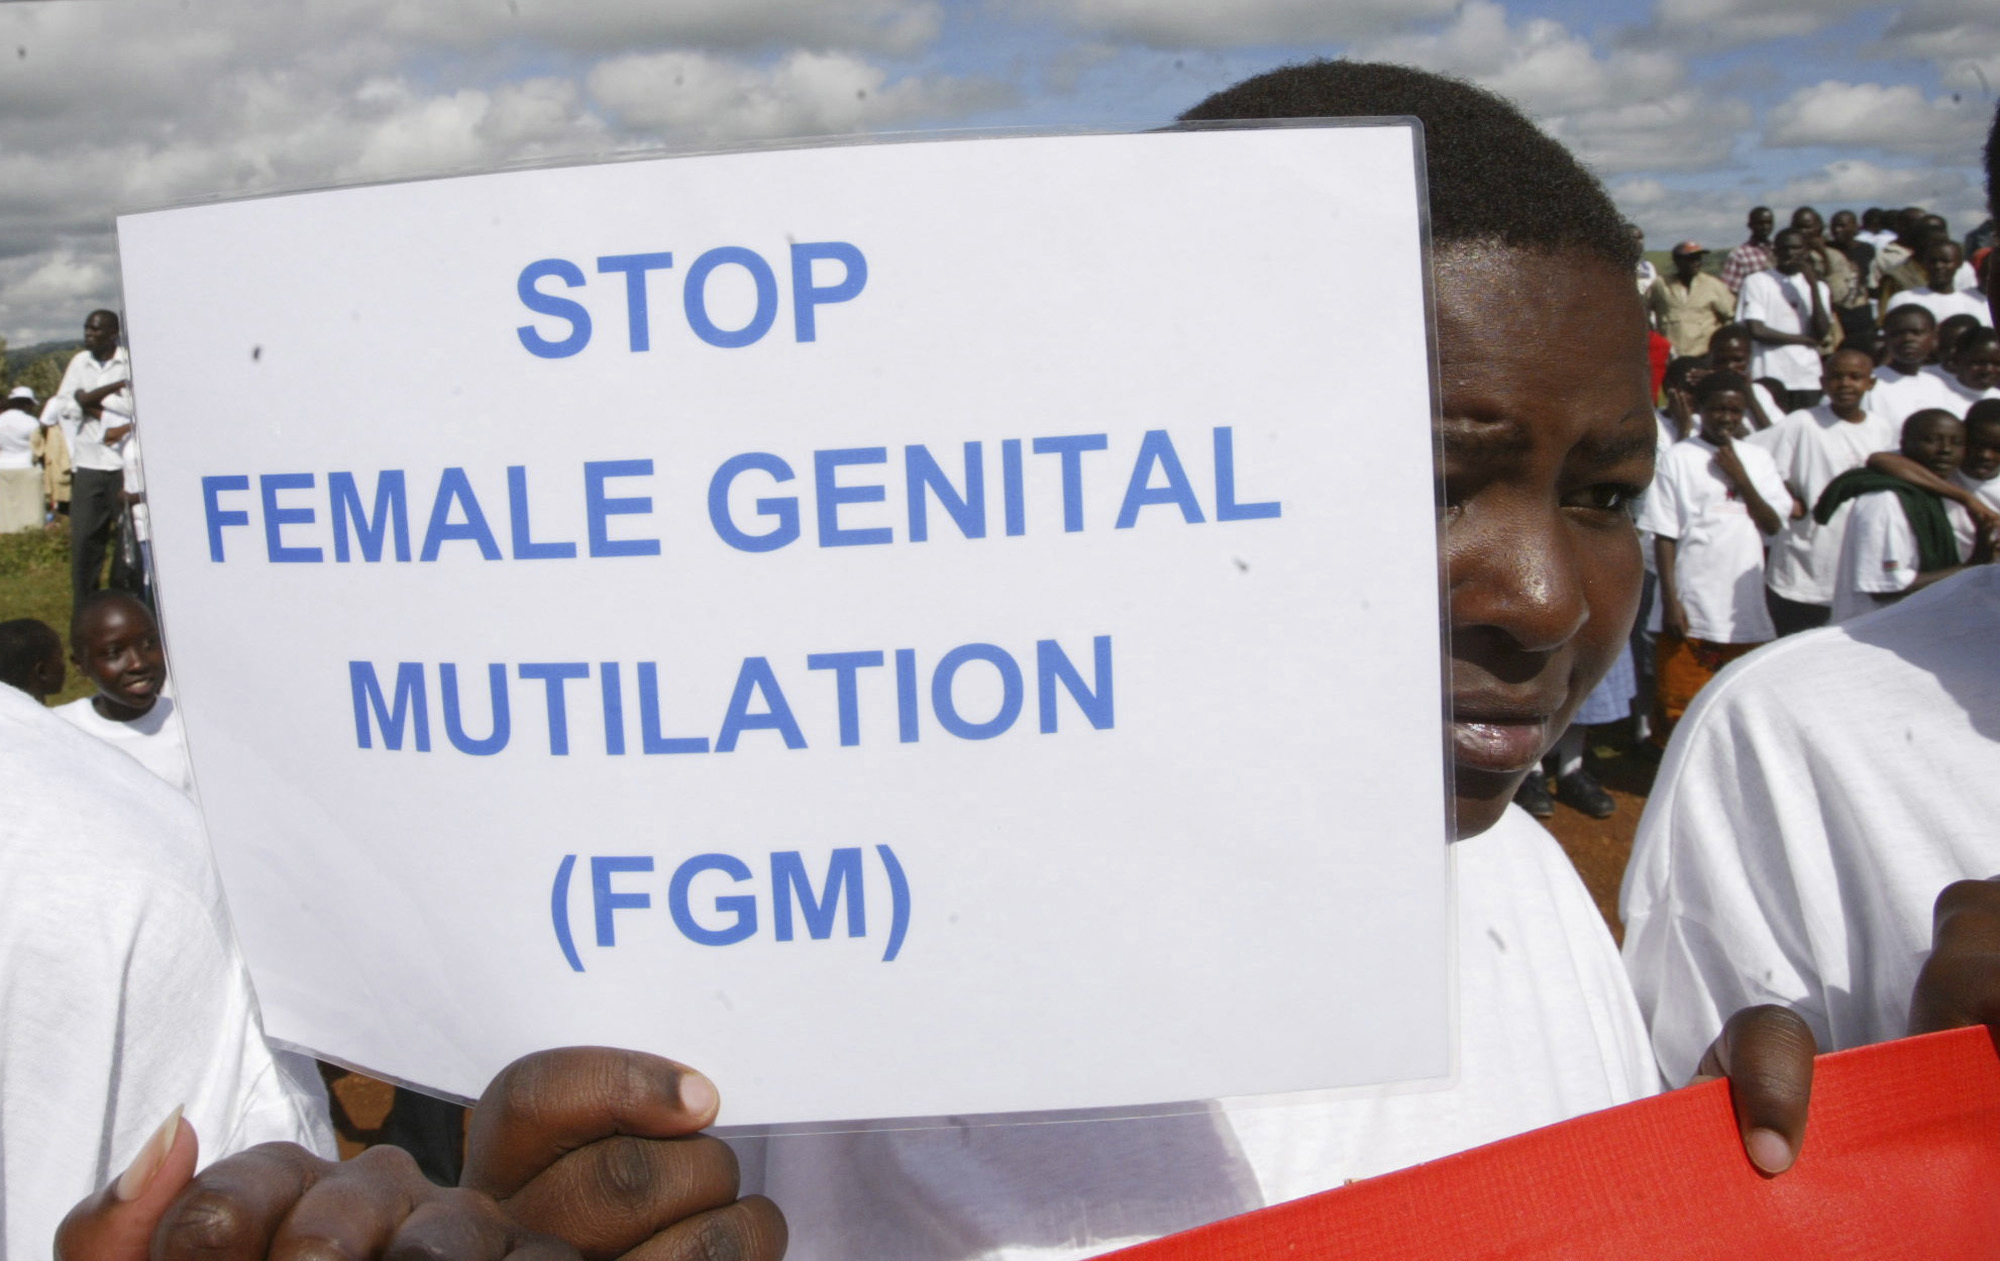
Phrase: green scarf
(1937,546)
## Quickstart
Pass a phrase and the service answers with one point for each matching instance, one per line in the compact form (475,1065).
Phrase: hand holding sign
(582,1150)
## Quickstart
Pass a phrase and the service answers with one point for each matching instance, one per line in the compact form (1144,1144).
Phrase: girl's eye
(1606,497)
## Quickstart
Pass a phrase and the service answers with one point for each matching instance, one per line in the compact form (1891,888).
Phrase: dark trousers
(1790,616)
(94,503)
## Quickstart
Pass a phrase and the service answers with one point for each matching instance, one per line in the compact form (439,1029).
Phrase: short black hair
(1730,332)
(91,603)
(1680,367)
(1717,382)
(26,642)
(1985,412)
(108,314)
(1929,315)
(1492,174)
(1924,419)
(1993,165)
(1978,337)
(1957,334)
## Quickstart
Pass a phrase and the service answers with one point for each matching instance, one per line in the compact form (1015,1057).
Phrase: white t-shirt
(1944,305)
(1988,492)
(1878,555)
(1784,305)
(1810,449)
(156,738)
(135,484)
(87,449)
(1772,412)
(17,438)
(1719,552)
(1965,395)
(121,990)
(1897,396)
(1814,801)
(1547,1031)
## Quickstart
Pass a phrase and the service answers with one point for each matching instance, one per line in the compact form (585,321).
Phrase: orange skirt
(1685,667)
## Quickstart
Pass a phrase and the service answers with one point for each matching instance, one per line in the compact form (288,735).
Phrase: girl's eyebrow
(1475,435)
(1631,442)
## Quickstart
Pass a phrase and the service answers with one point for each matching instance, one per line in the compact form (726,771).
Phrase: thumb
(117,1223)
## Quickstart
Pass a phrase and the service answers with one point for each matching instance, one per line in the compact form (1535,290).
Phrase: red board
(1901,1160)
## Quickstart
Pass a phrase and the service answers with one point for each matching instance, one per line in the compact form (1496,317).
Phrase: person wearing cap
(1688,306)
(20,481)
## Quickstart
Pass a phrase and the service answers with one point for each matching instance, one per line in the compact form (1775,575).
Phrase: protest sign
(910,629)
(1901,1151)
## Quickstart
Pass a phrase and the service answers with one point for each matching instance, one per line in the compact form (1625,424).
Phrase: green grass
(34,582)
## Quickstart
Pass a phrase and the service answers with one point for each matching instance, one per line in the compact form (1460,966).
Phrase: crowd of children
(1768,492)
(1783,417)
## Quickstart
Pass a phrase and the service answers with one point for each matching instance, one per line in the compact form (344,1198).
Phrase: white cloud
(1539,63)
(1718,24)
(1854,182)
(687,96)
(1243,24)
(1896,118)
(604,26)
(61,274)
(1623,110)
(1960,37)
(1685,130)
(120,105)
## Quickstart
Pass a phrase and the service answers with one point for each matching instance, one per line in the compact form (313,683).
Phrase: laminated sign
(911,629)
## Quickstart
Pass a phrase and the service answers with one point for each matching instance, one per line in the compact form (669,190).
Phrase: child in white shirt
(1710,511)
(1901,537)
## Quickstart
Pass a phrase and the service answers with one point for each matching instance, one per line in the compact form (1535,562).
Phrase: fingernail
(1769,1151)
(133,1182)
(698,1094)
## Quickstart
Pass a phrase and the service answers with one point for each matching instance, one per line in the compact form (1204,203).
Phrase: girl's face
(1722,416)
(1548,436)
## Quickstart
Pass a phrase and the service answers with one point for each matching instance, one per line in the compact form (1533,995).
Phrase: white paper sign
(911,630)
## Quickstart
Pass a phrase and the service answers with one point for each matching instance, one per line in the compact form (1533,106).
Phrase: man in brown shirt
(1688,306)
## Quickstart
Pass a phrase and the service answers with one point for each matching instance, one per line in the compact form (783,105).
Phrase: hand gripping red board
(1901,1160)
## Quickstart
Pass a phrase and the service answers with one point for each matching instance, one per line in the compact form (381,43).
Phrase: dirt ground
(1598,848)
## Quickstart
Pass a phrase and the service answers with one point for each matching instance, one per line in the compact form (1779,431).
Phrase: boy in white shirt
(116,643)
(1979,469)
(1709,511)
(1974,368)
(1942,259)
(1810,449)
(1907,381)
(1787,309)
(1729,350)
(1900,537)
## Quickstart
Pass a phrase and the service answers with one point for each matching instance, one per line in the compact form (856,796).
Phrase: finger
(1767,1053)
(528,1246)
(613,1194)
(1959,983)
(544,1105)
(117,1223)
(452,1223)
(751,1229)
(355,1210)
(234,1209)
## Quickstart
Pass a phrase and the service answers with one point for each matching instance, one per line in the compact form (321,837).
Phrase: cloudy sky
(1692,110)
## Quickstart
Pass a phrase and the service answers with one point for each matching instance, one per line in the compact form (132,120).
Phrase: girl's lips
(1501,747)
